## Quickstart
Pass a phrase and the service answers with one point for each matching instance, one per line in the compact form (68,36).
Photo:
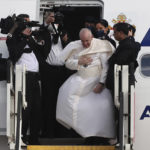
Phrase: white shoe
(22,143)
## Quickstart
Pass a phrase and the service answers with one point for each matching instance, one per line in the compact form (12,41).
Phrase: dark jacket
(110,40)
(16,46)
(45,35)
(125,54)
(106,37)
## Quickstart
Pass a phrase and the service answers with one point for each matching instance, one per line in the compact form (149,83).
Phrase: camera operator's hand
(12,30)
(65,37)
(16,25)
(27,31)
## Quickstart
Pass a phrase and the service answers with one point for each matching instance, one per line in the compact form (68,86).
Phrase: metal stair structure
(124,101)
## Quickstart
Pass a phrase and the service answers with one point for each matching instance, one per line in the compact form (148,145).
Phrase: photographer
(53,74)
(23,50)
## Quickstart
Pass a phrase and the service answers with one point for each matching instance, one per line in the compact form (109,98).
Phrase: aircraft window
(145,65)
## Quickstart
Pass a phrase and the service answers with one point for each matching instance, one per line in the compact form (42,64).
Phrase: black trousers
(52,77)
(31,116)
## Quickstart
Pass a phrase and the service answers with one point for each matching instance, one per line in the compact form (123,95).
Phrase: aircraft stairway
(67,144)
(124,101)
(70,147)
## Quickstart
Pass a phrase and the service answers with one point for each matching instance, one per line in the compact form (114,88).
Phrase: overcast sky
(135,10)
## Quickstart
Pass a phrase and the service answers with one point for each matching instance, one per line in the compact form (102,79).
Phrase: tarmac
(3,143)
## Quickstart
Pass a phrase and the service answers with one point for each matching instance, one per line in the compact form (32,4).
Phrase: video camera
(7,23)
(59,18)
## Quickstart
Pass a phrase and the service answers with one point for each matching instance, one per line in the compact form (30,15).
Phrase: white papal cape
(78,107)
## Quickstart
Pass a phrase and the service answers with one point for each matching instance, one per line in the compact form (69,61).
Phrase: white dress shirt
(53,57)
(29,60)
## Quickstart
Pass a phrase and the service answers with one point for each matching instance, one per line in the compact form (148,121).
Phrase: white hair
(85,31)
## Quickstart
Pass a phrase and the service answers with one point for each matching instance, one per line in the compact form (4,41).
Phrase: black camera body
(7,23)
(59,18)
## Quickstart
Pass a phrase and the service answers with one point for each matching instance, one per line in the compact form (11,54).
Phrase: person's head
(121,31)
(21,20)
(89,21)
(131,30)
(24,17)
(102,24)
(49,17)
(101,28)
(85,37)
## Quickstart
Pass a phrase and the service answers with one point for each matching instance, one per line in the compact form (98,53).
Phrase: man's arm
(74,64)
(100,86)
(16,45)
(123,55)
(15,48)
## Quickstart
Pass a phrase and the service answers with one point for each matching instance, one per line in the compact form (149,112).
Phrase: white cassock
(78,107)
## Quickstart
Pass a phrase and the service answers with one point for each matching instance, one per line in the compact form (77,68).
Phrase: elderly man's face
(86,40)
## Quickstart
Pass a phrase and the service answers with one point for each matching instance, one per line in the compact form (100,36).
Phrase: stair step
(62,141)
(70,147)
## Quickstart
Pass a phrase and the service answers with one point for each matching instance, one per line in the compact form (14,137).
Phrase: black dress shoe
(104,141)
(33,141)
(25,140)
(96,141)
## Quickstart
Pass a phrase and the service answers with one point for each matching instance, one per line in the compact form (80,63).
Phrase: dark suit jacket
(110,40)
(46,36)
(125,54)
(16,46)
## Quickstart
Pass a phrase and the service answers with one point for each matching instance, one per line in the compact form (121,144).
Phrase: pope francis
(84,104)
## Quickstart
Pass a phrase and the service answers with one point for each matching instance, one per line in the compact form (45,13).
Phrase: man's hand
(12,30)
(27,31)
(85,60)
(99,87)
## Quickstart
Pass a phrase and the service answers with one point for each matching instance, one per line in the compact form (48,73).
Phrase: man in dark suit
(125,54)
